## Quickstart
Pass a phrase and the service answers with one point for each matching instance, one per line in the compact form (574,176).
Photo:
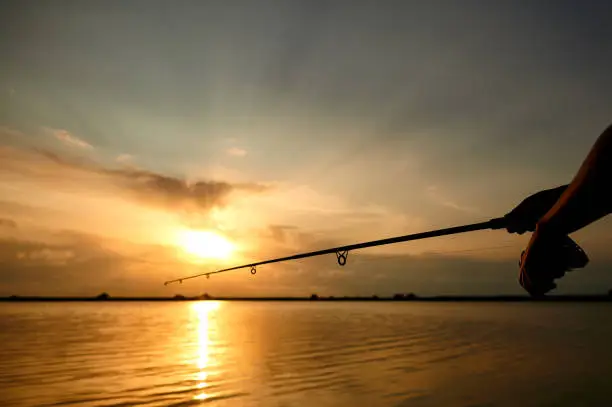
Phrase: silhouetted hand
(548,256)
(526,215)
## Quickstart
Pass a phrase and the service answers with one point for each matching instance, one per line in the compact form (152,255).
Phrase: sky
(130,130)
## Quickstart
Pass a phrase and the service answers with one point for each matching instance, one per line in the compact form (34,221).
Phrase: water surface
(305,354)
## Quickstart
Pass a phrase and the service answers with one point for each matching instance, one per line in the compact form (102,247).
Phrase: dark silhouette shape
(314,297)
(563,255)
(525,216)
(610,293)
(375,297)
(179,297)
(555,213)
(205,296)
(404,297)
(103,296)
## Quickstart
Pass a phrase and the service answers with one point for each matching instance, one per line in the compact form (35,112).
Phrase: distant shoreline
(498,298)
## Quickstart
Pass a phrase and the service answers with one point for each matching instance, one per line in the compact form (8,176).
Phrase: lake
(305,354)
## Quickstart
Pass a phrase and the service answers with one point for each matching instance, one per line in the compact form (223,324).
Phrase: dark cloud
(27,264)
(10,135)
(177,193)
(8,223)
(67,247)
(79,264)
(149,187)
(16,210)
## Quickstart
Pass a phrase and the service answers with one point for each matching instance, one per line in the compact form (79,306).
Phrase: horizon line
(314,297)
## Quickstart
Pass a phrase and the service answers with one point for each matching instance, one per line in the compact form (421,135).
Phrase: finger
(516,229)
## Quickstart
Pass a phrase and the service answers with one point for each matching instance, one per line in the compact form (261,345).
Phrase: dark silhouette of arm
(585,200)
(588,197)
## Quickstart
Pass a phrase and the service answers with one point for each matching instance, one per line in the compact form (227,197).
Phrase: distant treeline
(315,297)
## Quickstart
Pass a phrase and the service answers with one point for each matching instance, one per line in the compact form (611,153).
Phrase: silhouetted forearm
(587,198)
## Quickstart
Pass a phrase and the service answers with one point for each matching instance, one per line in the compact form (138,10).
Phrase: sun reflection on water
(204,312)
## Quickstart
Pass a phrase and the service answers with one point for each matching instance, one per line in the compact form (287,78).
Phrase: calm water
(305,354)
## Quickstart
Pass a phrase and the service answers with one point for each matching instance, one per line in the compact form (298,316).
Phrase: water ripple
(302,354)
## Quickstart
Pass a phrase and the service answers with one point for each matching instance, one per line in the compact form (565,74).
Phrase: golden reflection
(204,312)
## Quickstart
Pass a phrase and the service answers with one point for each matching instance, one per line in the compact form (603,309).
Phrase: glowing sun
(206,244)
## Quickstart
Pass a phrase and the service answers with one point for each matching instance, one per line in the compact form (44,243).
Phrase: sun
(205,244)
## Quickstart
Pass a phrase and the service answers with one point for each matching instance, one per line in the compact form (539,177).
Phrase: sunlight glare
(205,244)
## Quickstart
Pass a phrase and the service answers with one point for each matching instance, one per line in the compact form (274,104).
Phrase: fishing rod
(342,251)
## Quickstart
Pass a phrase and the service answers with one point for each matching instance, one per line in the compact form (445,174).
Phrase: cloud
(177,193)
(328,212)
(69,139)
(279,233)
(73,266)
(147,187)
(124,158)
(236,152)
(18,253)
(74,263)
(47,255)
(17,214)
(8,223)
(8,134)
(433,192)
